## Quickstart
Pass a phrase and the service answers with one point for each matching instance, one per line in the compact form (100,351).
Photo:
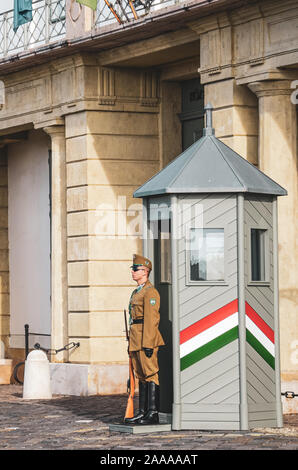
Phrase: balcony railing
(123,11)
(47,25)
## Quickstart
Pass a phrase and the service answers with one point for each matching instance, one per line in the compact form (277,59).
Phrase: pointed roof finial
(208,130)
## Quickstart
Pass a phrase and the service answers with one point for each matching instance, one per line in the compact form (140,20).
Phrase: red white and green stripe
(220,328)
(209,334)
(259,335)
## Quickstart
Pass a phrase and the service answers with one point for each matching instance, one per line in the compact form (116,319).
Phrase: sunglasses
(134,268)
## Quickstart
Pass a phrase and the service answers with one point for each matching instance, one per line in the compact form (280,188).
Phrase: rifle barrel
(125,320)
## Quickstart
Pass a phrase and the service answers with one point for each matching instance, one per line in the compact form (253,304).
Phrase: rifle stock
(129,413)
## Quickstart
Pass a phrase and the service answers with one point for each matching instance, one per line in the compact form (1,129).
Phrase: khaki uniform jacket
(145,305)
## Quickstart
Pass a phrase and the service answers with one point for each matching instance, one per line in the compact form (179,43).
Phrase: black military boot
(151,417)
(143,404)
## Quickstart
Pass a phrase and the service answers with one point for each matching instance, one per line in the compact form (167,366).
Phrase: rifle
(131,381)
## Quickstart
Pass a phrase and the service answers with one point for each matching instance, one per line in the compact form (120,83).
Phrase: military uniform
(144,342)
(144,333)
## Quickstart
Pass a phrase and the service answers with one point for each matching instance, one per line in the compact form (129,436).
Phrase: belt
(137,320)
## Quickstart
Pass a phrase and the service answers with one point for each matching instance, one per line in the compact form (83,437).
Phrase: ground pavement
(82,423)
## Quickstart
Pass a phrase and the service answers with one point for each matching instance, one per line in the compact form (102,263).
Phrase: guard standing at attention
(144,341)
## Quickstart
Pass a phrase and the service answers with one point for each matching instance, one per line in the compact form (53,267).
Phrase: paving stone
(74,423)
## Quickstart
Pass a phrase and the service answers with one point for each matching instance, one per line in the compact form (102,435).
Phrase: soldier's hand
(148,352)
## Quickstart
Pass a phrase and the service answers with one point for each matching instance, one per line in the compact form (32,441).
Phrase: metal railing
(49,21)
(18,371)
(47,25)
(123,10)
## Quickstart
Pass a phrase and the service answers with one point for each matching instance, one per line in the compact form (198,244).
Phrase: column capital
(271,88)
(51,126)
(55,130)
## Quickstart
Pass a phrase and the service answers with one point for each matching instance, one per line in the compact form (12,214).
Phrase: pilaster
(58,239)
(109,154)
(235,116)
(4,263)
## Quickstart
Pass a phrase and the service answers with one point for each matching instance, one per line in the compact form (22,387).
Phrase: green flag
(89,3)
(22,13)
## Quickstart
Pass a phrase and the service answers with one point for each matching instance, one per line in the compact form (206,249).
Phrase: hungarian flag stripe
(209,348)
(259,335)
(208,321)
(219,328)
(252,314)
(260,349)
(209,334)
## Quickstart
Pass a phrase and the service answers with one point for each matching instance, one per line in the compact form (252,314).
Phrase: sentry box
(210,227)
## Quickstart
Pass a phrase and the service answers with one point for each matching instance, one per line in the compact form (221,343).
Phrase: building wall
(120,125)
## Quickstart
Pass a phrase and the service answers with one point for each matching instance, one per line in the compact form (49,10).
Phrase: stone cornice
(74,88)
(249,40)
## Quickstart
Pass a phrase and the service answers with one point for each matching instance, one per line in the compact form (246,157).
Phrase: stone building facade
(103,108)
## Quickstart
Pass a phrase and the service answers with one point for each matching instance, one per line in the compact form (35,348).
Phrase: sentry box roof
(209,166)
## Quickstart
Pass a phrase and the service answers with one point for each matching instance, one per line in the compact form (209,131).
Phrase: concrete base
(142,429)
(88,379)
(165,420)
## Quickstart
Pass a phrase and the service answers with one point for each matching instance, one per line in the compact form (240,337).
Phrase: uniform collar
(146,284)
(140,287)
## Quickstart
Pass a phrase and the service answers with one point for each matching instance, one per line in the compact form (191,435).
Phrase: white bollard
(37,382)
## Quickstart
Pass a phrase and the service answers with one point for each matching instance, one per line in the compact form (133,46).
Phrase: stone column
(235,116)
(58,241)
(4,266)
(278,159)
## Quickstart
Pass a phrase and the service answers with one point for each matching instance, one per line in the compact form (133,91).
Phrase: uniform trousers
(145,368)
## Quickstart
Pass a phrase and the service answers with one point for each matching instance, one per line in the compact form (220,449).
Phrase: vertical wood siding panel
(260,376)
(215,378)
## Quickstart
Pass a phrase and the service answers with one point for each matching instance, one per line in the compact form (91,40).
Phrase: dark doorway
(192,116)
(162,280)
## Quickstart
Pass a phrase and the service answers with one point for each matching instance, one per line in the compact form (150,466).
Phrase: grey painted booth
(210,227)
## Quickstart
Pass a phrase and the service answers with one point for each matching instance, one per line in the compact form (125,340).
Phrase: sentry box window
(206,254)
(258,254)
